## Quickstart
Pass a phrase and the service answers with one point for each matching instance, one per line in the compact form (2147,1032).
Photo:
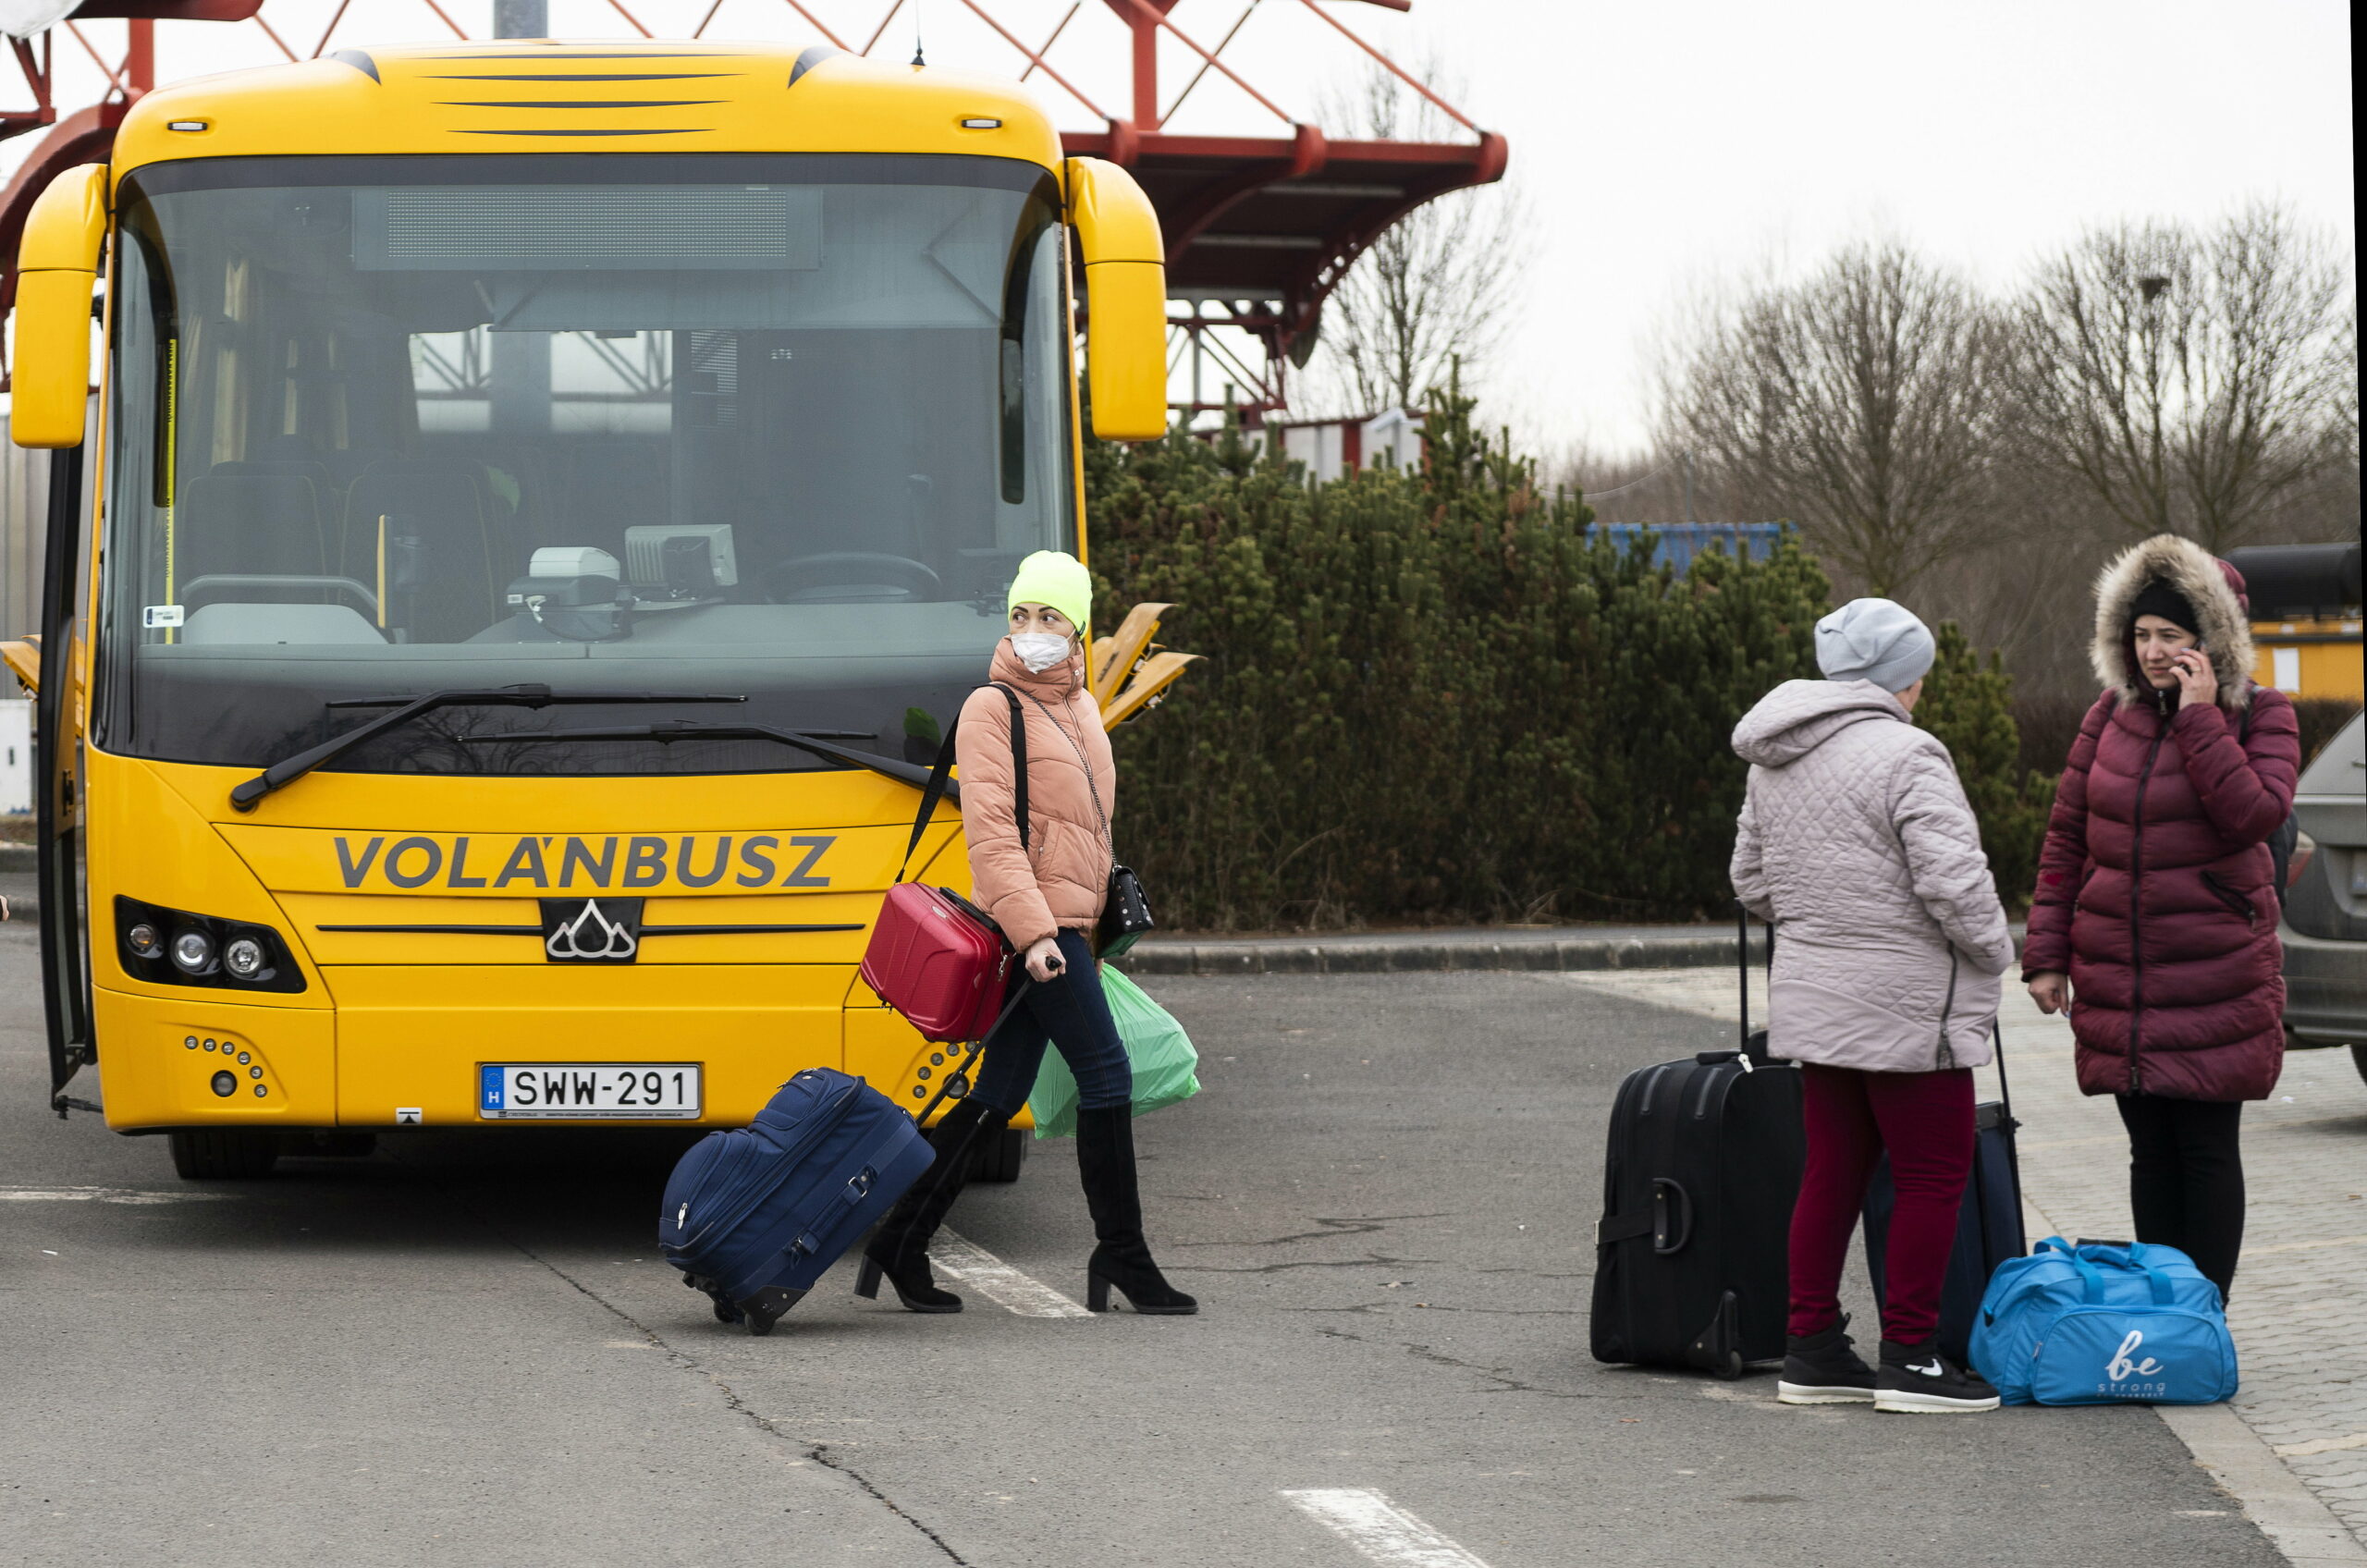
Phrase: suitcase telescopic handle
(957,1083)
(1742,954)
(1742,958)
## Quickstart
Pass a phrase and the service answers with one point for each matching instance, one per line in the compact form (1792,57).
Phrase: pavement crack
(1364,1307)
(1347,1226)
(818,1452)
(1493,1373)
(1370,1260)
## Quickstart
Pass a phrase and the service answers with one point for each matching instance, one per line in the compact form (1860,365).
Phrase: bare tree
(1862,403)
(2189,381)
(1436,290)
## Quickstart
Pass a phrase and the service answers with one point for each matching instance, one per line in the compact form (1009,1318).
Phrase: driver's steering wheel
(854,577)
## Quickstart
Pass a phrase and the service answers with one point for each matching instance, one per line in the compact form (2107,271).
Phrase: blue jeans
(1070,1012)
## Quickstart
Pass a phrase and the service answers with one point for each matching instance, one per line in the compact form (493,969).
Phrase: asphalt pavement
(462,1349)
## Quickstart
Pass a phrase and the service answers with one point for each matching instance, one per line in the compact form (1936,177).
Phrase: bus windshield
(772,425)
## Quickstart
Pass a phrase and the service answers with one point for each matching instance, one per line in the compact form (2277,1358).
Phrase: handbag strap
(1108,840)
(933,790)
(1018,758)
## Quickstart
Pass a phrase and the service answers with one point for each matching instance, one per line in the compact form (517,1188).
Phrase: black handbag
(1125,914)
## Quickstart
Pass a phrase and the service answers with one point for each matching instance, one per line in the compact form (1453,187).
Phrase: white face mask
(1039,651)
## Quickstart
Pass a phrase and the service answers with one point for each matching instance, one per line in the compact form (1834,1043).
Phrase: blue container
(756,1215)
(1676,543)
(2105,1323)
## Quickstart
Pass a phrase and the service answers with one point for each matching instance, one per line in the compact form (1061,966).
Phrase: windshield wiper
(815,742)
(289,769)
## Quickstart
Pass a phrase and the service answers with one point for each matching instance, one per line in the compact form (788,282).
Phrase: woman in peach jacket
(1046,891)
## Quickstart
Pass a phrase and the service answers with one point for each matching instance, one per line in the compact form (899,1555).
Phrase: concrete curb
(2293,1518)
(1674,947)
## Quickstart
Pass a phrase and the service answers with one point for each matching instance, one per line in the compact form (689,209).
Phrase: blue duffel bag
(755,1216)
(2103,1323)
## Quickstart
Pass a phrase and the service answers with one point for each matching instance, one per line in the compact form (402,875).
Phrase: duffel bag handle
(2091,1279)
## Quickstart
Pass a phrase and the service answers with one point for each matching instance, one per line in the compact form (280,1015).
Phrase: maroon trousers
(1925,1120)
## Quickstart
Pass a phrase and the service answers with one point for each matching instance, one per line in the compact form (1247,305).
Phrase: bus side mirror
(1125,290)
(56,263)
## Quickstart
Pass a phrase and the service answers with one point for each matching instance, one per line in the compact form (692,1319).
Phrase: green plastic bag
(1165,1065)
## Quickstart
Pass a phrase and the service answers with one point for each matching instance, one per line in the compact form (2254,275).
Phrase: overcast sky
(1659,147)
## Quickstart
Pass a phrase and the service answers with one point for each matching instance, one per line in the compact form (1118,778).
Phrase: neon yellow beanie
(1058,579)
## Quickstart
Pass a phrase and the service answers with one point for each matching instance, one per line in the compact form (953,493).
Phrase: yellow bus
(2305,602)
(542,505)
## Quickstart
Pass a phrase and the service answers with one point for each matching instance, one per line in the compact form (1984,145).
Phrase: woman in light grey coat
(1856,840)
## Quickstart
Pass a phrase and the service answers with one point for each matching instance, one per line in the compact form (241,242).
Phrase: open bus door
(58,261)
(44,663)
(57,814)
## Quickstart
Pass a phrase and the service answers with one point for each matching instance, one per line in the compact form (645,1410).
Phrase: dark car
(2325,929)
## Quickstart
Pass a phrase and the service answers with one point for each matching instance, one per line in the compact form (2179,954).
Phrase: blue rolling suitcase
(1989,1221)
(756,1214)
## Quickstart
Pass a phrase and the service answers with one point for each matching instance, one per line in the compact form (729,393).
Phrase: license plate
(606,1091)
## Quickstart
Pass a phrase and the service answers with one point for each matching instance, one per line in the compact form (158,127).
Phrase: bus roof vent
(809,59)
(359,61)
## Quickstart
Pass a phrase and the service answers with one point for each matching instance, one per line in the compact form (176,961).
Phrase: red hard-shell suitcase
(934,956)
(938,960)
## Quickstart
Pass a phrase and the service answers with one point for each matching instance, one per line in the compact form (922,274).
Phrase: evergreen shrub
(1434,696)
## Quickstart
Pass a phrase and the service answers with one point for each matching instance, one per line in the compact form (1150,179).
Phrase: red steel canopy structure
(1259,229)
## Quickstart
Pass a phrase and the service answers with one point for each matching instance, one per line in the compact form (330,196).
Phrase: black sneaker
(1918,1379)
(1822,1368)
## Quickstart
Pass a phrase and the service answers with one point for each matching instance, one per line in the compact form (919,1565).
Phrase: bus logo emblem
(580,931)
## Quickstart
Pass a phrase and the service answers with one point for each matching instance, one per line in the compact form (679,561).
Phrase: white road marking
(1379,1530)
(101,1194)
(957,1257)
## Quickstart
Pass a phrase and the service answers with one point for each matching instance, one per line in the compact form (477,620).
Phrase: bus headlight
(202,950)
(192,952)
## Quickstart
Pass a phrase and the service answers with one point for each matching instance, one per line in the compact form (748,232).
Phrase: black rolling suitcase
(1989,1223)
(1698,1183)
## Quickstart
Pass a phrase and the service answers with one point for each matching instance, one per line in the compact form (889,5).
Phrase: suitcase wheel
(726,1313)
(767,1307)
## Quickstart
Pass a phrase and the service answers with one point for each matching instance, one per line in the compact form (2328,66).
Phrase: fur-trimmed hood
(2208,584)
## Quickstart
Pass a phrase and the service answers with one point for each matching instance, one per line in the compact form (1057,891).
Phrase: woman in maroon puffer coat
(2154,921)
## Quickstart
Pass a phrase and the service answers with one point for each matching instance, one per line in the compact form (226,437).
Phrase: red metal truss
(1258,229)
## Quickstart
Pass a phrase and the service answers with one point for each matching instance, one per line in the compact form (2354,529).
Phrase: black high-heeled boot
(1104,1160)
(899,1247)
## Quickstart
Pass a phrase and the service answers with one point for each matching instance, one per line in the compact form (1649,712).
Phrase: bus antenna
(917,61)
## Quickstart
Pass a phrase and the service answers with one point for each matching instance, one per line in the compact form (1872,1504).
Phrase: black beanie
(2159,599)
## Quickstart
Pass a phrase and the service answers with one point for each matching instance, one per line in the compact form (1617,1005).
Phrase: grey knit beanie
(1873,639)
